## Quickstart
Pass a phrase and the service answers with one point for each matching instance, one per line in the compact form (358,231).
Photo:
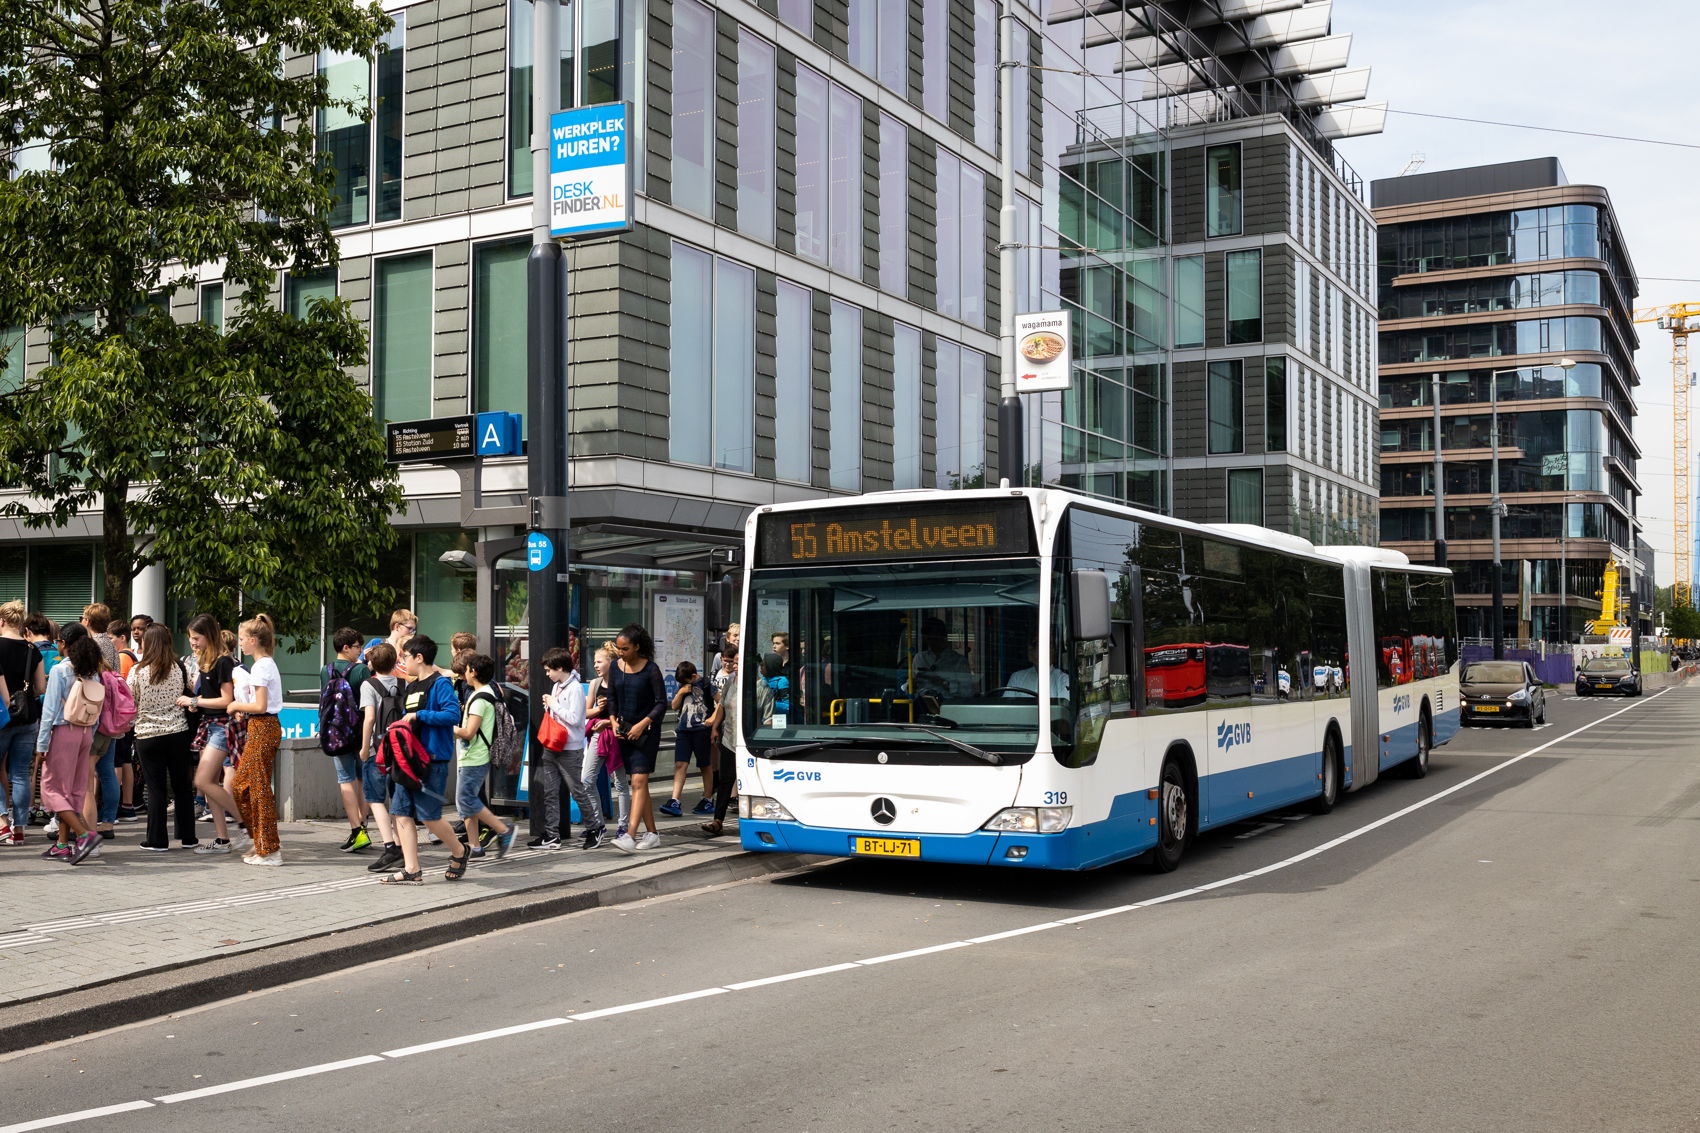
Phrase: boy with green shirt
(477,727)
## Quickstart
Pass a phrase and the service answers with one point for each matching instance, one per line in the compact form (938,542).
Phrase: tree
(243,458)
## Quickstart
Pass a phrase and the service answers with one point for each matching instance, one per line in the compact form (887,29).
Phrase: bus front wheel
(1174,817)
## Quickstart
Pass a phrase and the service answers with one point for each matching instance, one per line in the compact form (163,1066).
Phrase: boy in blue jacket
(433,712)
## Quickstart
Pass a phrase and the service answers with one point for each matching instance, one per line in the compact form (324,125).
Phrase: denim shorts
(425,805)
(347,768)
(689,743)
(374,784)
(217,737)
(471,779)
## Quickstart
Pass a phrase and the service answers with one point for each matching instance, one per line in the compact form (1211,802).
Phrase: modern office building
(807,301)
(1491,279)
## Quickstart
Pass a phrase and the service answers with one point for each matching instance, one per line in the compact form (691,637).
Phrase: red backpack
(402,757)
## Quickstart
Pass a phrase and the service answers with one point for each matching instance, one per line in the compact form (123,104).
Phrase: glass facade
(499,347)
(711,399)
(793,350)
(1488,239)
(1226,398)
(894,202)
(756,152)
(829,173)
(401,337)
(960,411)
(1492,340)
(1495,293)
(693,107)
(365,154)
(1245,297)
(1224,209)
(844,449)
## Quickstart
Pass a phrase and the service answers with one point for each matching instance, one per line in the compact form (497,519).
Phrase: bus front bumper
(1075,848)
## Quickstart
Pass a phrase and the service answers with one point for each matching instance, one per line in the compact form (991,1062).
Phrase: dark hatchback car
(1505,692)
(1607,676)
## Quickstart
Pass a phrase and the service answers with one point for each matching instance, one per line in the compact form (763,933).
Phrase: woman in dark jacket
(637,697)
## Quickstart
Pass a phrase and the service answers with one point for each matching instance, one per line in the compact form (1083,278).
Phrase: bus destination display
(985,529)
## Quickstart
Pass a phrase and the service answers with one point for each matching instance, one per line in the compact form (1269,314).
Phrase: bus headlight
(1031,820)
(761,807)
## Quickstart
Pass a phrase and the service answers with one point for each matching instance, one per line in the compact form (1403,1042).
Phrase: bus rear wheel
(1174,818)
(1417,766)
(1333,771)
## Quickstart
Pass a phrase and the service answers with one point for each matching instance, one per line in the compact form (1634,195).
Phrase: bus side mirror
(719,600)
(1089,594)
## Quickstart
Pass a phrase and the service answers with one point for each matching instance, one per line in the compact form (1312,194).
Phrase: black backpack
(392,706)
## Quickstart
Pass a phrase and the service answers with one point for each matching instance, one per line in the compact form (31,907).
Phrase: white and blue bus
(1029,677)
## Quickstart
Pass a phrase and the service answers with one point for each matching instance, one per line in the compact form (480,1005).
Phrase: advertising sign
(439,439)
(1044,359)
(590,170)
(677,624)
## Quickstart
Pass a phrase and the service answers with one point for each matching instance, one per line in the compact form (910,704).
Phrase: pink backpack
(118,712)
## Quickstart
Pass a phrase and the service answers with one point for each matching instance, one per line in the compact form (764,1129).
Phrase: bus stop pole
(546,380)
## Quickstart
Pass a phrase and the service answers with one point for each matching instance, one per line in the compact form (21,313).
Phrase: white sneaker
(625,844)
(52,826)
(649,841)
(273,858)
(243,845)
(213,847)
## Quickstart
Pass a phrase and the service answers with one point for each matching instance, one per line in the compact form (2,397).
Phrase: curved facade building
(1488,278)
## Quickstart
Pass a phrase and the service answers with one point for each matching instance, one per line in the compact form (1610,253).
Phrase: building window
(798,14)
(879,41)
(365,154)
(11,357)
(712,395)
(959,415)
(1189,301)
(500,361)
(1245,495)
(935,58)
(1226,398)
(1275,404)
(1222,200)
(755,137)
(906,407)
(212,306)
(300,289)
(599,52)
(844,449)
(845,172)
(961,244)
(793,382)
(693,107)
(520,55)
(829,173)
(986,74)
(1245,297)
(894,206)
(401,338)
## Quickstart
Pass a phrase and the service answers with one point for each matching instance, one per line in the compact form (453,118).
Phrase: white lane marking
(499,1033)
(789,976)
(268,1079)
(80,1115)
(1161,899)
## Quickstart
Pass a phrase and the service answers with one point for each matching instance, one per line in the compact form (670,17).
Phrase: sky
(1627,68)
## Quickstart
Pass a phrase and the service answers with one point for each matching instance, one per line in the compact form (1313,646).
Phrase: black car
(1502,692)
(1608,676)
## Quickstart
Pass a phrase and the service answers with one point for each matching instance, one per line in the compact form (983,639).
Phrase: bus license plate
(886,847)
(1487,708)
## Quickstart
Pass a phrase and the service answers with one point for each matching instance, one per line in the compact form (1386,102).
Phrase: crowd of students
(202,735)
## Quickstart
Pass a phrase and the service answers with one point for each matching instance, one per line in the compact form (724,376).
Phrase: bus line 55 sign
(590,170)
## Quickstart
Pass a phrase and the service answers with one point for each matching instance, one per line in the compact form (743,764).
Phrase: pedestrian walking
(562,769)
(212,744)
(258,708)
(159,682)
(70,707)
(638,696)
(478,729)
(25,677)
(723,729)
(381,704)
(432,713)
(339,709)
(694,704)
(601,747)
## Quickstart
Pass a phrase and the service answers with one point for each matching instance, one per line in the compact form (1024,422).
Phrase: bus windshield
(896,654)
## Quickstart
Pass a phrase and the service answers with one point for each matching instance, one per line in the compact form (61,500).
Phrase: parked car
(1502,692)
(1608,676)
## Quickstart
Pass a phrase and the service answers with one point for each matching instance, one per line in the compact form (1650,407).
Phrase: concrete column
(147,593)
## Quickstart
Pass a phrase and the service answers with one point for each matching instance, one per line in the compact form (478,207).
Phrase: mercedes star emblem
(884,811)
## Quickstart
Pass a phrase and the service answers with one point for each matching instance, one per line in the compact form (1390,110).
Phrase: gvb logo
(1401,704)
(1228,735)
(789,776)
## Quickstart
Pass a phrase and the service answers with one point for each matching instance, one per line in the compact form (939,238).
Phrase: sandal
(712,829)
(417,877)
(457,866)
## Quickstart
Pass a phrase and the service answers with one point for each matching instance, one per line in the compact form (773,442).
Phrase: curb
(129,999)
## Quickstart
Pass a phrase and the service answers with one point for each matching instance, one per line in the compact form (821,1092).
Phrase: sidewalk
(133,933)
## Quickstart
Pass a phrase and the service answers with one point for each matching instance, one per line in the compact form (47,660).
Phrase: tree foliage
(244,461)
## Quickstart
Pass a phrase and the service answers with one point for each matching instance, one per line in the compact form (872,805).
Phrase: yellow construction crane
(1682,320)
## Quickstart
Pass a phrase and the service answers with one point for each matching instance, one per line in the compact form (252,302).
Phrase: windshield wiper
(979,753)
(797,749)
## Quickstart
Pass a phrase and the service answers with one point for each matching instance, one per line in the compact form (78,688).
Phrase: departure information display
(973,529)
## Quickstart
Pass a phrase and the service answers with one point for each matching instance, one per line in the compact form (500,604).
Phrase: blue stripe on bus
(1270,785)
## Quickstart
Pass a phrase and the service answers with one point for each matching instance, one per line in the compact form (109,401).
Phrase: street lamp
(1496,506)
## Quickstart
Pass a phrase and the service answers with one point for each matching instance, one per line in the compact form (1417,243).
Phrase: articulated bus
(1027,677)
